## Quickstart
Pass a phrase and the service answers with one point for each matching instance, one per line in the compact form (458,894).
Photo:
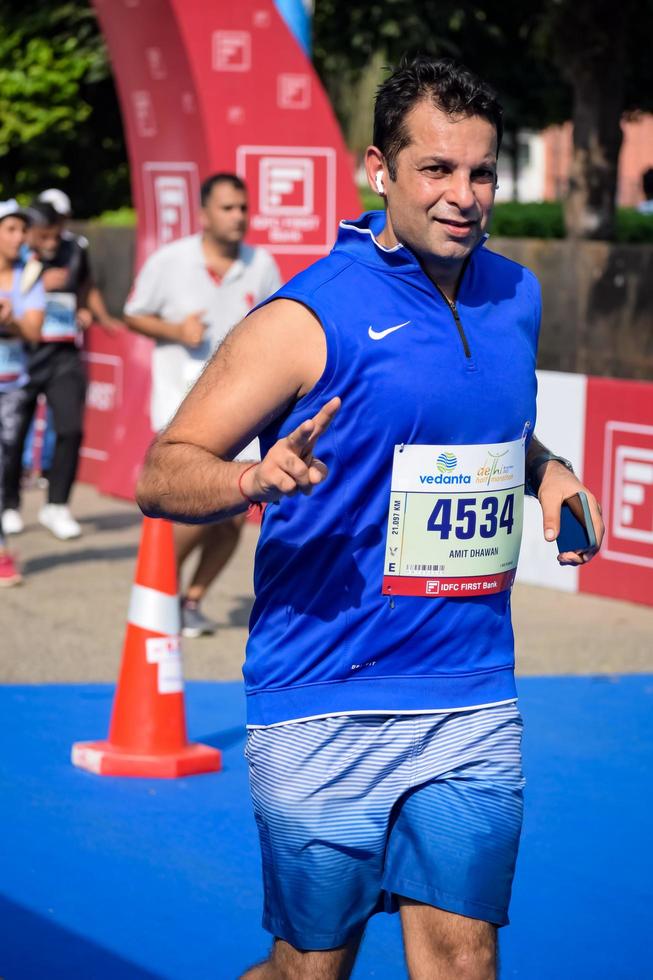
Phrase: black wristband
(532,484)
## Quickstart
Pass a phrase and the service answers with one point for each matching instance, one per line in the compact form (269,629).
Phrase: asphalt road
(66,623)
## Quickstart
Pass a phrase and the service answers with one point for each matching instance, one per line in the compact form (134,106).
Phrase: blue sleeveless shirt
(323,639)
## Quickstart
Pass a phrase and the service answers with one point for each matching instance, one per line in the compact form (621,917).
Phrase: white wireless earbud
(379,183)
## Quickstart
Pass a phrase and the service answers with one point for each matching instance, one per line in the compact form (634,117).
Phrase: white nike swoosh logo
(380,334)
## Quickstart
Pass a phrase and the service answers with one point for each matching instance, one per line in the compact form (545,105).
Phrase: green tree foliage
(550,60)
(503,40)
(59,119)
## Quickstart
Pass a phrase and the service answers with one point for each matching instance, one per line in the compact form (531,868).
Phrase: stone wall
(597,304)
(598,297)
(112,252)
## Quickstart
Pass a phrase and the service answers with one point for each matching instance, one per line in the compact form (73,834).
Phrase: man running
(55,370)
(384,737)
(94,300)
(187,297)
(21,317)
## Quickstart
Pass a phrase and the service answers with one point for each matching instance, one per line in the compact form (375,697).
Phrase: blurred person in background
(646,206)
(187,297)
(21,318)
(94,298)
(55,369)
(95,303)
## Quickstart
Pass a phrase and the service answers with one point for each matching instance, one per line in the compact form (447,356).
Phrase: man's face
(440,203)
(12,236)
(224,216)
(45,240)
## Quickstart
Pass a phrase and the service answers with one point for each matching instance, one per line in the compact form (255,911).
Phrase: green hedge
(633,226)
(513,220)
(370,200)
(122,217)
(510,220)
(545,220)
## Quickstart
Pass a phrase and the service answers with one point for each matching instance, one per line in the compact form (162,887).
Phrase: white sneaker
(58,519)
(12,522)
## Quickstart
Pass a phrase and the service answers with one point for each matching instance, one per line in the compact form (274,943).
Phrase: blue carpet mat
(119,878)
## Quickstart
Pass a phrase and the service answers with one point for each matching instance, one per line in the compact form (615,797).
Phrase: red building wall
(635,157)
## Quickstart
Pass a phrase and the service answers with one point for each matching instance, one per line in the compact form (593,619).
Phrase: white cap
(11,209)
(59,201)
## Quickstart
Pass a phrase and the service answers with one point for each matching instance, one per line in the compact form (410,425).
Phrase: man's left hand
(6,310)
(111,325)
(84,318)
(558,484)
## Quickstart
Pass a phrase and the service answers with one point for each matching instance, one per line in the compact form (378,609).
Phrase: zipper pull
(526,429)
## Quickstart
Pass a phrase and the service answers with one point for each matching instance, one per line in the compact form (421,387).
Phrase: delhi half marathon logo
(447,462)
(494,471)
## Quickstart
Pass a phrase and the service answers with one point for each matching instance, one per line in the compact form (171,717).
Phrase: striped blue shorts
(353,811)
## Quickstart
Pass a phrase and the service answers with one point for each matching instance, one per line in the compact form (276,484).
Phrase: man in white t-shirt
(187,297)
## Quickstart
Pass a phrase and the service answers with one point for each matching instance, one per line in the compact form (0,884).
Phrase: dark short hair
(647,183)
(222,178)
(451,87)
(41,214)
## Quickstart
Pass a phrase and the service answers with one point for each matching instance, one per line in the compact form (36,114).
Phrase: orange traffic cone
(147,736)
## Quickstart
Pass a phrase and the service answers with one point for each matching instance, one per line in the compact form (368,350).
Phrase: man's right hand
(290,467)
(191,329)
(54,279)
(6,311)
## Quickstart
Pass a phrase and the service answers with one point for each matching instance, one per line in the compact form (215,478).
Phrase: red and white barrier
(116,425)
(605,427)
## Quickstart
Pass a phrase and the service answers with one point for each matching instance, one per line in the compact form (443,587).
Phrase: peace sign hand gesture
(290,467)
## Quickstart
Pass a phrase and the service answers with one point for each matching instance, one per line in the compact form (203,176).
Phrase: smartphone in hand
(576,529)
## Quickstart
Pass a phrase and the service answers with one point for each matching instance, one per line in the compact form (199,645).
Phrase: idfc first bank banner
(209,86)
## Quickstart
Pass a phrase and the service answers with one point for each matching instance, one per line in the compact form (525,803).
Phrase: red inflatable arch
(207,86)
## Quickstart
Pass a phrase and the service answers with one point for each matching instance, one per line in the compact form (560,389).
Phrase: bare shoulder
(282,315)
(283,336)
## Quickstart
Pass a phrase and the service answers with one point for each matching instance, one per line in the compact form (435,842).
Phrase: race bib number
(455,519)
(12,359)
(60,321)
